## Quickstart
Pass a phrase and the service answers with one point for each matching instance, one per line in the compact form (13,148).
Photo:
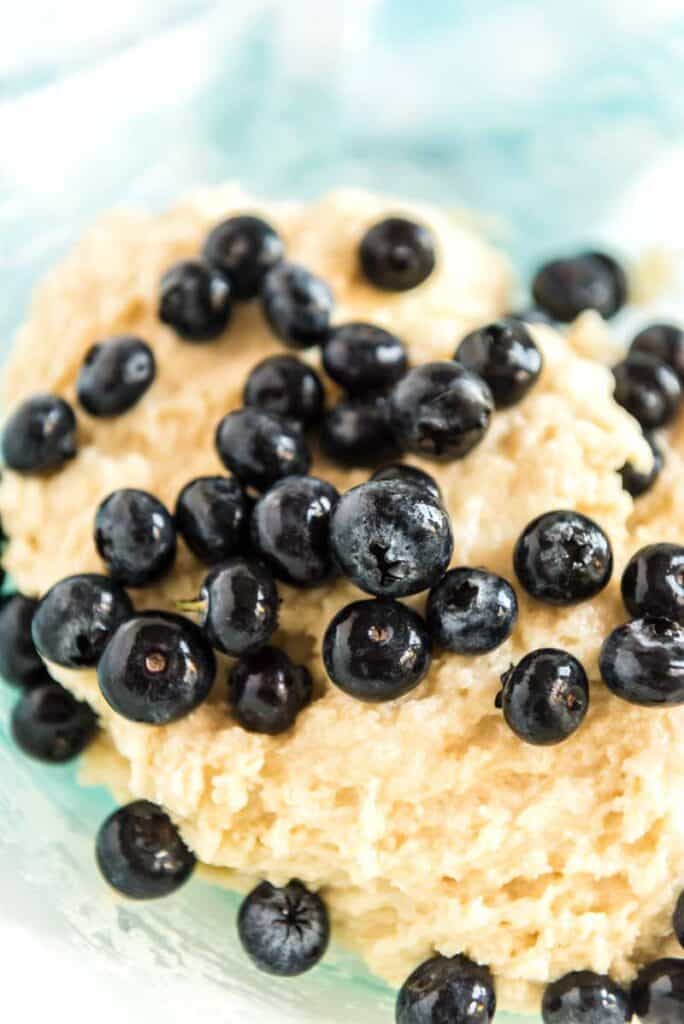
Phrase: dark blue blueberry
(51,725)
(76,617)
(563,557)
(141,853)
(658,992)
(20,662)
(643,662)
(376,650)
(135,537)
(156,668)
(653,582)
(288,387)
(266,691)
(505,355)
(545,696)
(195,300)
(397,254)
(634,481)
(390,538)
(441,410)
(566,287)
(244,248)
(583,997)
(409,475)
(115,374)
(284,931)
(664,342)
(291,529)
(358,433)
(260,448)
(678,920)
(648,389)
(471,611)
(297,304)
(40,435)
(447,990)
(363,359)
(212,515)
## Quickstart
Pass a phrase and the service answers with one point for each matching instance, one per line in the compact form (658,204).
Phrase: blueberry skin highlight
(363,358)
(286,386)
(545,697)
(505,355)
(20,662)
(446,989)
(471,611)
(643,662)
(583,997)
(40,435)
(358,432)
(50,725)
(297,305)
(397,254)
(409,475)
(260,448)
(76,617)
(244,248)
(563,557)
(115,375)
(284,931)
(135,537)
(658,992)
(653,582)
(648,389)
(266,691)
(212,515)
(195,300)
(664,342)
(238,605)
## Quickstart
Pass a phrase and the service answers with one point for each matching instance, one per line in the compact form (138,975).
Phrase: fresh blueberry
(563,557)
(244,248)
(212,515)
(288,387)
(20,662)
(261,448)
(583,997)
(545,696)
(195,300)
(51,725)
(658,992)
(266,691)
(135,537)
(156,668)
(643,662)
(291,529)
(141,853)
(634,481)
(363,359)
(40,435)
(297,304)
(76,617)
(390,538)
(664,342)
(653,582)
(678,920)
(441,410)
(115,374)
(397,254)
(471,611)
(445,990)
(505,355)
(648,389)
(566,287)
(376,650)
(358,432)
(409,475)
(284,931)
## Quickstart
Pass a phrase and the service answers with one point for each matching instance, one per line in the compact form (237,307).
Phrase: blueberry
(288,387)
(358,432)
(141,853)
(76,617)
(261,448)
(445,990)
(678,919)
(397,254)
(658,992)
(563,557)
(297,304)
(51,725)
(664,342)
(648,389)
(237,605)
(363,359)
(40,435)
(471,611)
(643,662)
(20,662)
(291,529)
(212,515)
(195,300)
(115,374)
(284,931)
(653,582)
(156,668)
(441,410)
(244,248)
(376,650)
(634,481)
(391,539)
(266,691)
(505,355)
(409,475)
(566,287)
(545,696)
(583,997)
(135,537)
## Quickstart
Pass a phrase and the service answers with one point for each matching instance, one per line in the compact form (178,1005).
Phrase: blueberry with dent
(288,387)
(244,248)
(135,537)
(266,691)
(50,725)
(285,931)
(115,375)
(76,617)
(364,359)
(445,989)
(297,305)
(260,448)
(563,557)
(471,611)
(545,697)
(565,287)
(195,300)
(358,432)
(397,254)
(212,515)
(506,356)
(40,435)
